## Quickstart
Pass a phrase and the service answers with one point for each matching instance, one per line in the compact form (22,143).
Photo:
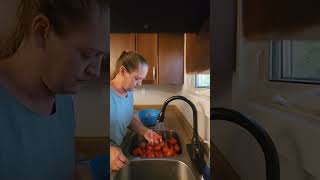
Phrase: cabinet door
(118,44)
(197,52)
(147,46)
(171,50)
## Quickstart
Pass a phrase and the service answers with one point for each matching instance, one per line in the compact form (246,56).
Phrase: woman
(49,49)
(131,68)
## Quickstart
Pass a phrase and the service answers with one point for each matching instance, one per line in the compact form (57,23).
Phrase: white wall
(289,113)
(154,94)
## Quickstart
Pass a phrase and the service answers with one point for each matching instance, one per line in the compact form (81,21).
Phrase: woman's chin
(71,90)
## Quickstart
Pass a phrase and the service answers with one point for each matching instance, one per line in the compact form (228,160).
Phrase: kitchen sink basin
(178,167)
(155,169)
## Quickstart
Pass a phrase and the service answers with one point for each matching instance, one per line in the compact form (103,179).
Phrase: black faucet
(195,149)
(265,141)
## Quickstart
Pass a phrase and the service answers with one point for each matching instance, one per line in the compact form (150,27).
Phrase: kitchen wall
(289,113)
(150,94)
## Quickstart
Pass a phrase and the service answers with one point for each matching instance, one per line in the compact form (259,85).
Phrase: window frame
(195,84)
(281,63)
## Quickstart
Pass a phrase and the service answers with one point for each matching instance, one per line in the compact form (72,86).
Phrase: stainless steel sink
(179,167)
(155,169)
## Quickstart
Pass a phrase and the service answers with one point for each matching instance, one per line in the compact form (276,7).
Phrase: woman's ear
(122,70)
(40,30)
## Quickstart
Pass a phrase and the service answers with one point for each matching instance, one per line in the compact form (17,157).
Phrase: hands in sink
(152,137)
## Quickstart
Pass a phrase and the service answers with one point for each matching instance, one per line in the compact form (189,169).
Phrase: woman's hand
(152,137)
(117,159)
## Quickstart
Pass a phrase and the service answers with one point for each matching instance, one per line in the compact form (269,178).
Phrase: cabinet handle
(153,73)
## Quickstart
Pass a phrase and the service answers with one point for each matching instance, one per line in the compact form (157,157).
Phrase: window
(295,61)
(202,81)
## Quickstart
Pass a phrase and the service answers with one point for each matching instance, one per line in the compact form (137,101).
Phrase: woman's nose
(93,71)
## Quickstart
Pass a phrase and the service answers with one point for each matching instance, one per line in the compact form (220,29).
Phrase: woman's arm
(137,126)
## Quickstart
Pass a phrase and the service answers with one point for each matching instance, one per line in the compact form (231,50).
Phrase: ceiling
(172,16)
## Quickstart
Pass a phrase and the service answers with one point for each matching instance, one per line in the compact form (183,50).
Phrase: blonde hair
(62,14)
(131,60)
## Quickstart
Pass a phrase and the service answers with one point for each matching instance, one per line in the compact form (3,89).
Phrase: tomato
(177,148)
(161,144)
(157,148)
(150,155)
(150,148)
(164,150)
(156,154)
(160,154)
(169,153)
(174,153)
(172,141)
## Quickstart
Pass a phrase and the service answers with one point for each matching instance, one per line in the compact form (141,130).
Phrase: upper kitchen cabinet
(280,19)
(164,53)
(147,45)
(118,44)
(171,50)
(198,51)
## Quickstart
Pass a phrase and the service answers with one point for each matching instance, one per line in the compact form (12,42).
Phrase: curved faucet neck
(193,107)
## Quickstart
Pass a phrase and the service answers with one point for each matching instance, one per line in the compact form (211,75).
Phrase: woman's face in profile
(75,59)
(134,79)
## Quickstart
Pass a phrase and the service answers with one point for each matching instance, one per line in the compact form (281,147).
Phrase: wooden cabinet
(118,44)
(171,50)
(197,52)
(147,45)
(164,53)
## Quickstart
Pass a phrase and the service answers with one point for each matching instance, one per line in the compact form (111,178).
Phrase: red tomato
(164,150)
(160,154)
(169,153)
(161,144)
(177,148)
(172,141)
(156,154)
(157,148)
(150,155)
(174,153)
(149,147)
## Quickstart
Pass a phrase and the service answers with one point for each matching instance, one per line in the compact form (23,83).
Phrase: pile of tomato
(169,148)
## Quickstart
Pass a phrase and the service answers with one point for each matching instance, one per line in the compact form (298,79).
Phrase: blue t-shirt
(121,114)
(33,146)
